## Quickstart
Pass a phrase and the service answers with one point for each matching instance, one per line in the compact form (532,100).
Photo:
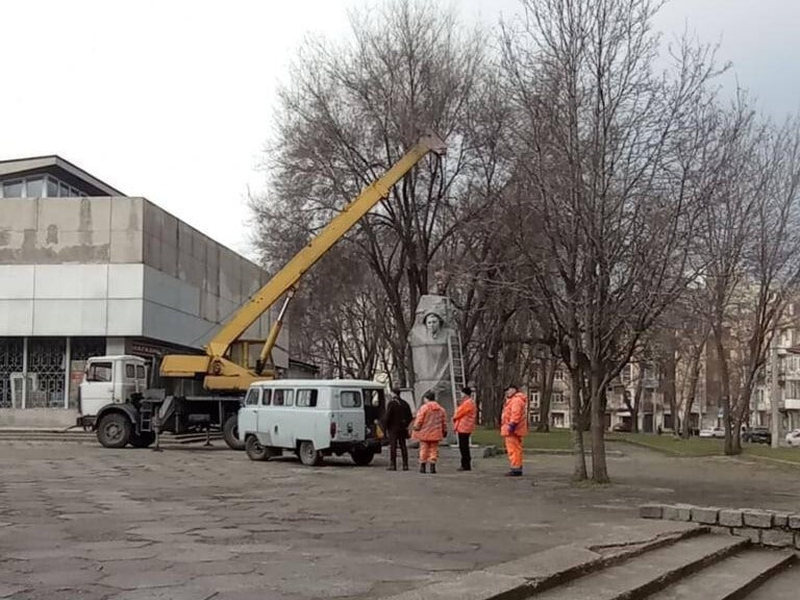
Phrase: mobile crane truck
(114,397)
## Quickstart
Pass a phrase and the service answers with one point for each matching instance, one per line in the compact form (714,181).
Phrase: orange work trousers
(514,450)
(428,452)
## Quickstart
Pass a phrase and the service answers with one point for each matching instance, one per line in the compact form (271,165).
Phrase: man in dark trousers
(464,425)
(396,422)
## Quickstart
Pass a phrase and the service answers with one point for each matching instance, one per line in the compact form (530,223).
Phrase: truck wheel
(362,457)
(114,430)
(143,439)
(254,449)
(230,433)
(309,455)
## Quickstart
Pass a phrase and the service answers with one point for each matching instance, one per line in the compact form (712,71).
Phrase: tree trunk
(669,386)
(548,374)
(637,402)
(725,387)
(694,377)
(579,472)
(598,424)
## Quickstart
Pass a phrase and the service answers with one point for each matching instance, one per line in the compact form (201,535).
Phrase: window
(283,398)
(52,188)
(558,397)
(307,398)
(99,371)
(140,372)
(63,190)
(12,189)
(350,400)
(266,397)
(34,187)
(251,399)
(558,375)
(130,371)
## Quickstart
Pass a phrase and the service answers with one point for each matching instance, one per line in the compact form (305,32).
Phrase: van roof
(320,383)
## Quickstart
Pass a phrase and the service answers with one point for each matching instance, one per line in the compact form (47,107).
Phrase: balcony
(792,404)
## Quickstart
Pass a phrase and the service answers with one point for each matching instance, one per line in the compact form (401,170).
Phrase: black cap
(429,395)
(466,390)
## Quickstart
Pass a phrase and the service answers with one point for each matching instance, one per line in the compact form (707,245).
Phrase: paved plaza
(81,521)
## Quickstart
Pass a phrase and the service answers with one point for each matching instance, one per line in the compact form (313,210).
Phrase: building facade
(86,271)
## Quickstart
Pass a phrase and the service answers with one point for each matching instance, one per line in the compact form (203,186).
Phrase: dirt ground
(81,521)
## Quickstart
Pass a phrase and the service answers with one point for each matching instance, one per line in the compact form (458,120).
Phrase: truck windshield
(99,371)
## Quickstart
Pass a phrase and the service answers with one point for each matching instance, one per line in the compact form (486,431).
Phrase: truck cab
(114,400)
(109,380)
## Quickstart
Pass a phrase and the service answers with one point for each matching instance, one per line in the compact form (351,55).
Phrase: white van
(313,418)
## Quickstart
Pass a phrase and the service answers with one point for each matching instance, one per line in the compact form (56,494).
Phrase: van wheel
(114,430)
(230,433)
(309,455)
(254,449)
(362,457)
(143,439)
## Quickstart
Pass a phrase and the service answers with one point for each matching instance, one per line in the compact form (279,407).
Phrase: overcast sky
(173,100)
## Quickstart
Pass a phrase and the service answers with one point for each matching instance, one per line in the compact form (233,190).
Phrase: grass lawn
(701,446)
(670,444)
(557,439)
(787,454)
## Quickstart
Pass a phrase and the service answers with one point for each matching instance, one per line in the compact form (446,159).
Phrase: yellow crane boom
(220,373)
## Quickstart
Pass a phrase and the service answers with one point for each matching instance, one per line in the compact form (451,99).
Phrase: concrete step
(649,572)
(731,578)
(783,586)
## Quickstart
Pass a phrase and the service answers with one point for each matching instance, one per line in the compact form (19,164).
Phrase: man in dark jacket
(396,422)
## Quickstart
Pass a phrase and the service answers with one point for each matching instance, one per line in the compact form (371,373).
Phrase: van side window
(139,372)
(266,397)
(283,398)
(252,397)
(99,371)
(307,398)
(130,371)
(350,399)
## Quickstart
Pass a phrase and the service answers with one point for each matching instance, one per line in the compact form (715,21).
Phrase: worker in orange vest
(430,427)
(464,425)
(514,427)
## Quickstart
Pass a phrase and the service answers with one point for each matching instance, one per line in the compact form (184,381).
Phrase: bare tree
(750,250)
(603,172)
(351,110)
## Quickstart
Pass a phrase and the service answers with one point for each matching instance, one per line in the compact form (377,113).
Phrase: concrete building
(785,357)
(86,270)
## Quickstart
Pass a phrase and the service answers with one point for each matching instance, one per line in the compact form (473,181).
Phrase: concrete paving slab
(388,534)
(480,585)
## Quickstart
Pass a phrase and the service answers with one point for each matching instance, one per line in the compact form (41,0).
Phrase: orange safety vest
(464,419)
(431,423)
(515,411)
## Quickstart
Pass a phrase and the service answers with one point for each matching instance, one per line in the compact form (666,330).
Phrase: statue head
(433,324)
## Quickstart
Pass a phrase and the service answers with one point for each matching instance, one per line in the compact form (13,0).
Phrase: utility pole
(774,395)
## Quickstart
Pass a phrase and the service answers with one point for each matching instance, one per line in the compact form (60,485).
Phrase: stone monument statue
(434,329)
